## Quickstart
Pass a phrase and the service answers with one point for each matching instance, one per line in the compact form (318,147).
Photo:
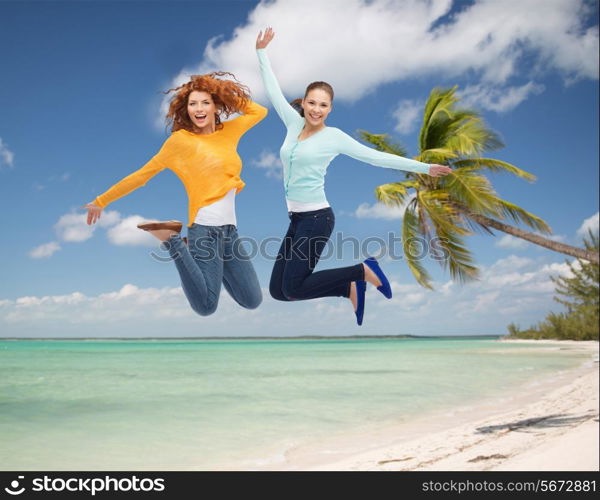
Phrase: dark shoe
(385,287)
(173,225)
(361,287)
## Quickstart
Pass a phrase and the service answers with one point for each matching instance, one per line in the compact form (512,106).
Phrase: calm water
(206,404)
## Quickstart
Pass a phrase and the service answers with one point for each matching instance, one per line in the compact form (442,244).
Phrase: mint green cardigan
(305,162)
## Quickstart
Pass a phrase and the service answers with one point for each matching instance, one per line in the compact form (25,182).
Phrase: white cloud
(7,157)
(591,223)
(73,227)
(381,211)
(384,41)
(407,114)
(512,242)
(497,98)
(378,211)
(520,275)
(509,279)
(508,241)
(126,233)
(128,311)
(560,269)
(512,289)
(271,163)
(45,250)
(509,263)
(485,301)
(411,299)
(129,302)
(108,218)
(72,298)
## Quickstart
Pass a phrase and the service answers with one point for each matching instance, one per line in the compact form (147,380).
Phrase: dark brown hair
(229,97)
(296,103)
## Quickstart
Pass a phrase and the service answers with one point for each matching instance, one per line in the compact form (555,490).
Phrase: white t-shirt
(303,206)
(219,213)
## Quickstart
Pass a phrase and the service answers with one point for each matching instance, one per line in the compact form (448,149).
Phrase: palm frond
(517,214)
(410,234)
(470,121)
(439,103)
(471,190)
(493,165)
(460,129)
(436,204)
(383,142)
(395,193)
(425,226)
(467,135)
(441,156)
(459,259)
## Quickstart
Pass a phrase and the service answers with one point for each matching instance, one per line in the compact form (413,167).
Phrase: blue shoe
(385,288)
(361,288)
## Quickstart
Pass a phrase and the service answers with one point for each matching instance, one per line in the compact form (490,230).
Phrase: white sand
(552,427)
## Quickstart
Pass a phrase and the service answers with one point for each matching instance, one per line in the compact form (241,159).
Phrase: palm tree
(452,207)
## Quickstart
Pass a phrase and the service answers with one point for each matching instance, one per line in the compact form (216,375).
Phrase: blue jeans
(293,277)
(214,255)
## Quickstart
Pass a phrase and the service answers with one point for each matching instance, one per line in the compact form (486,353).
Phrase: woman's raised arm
(283,108)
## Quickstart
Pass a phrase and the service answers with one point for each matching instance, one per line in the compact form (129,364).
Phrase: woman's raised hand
(263,40)
(94,212)
(439,170)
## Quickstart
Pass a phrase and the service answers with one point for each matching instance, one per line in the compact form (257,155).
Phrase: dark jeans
(293,277)
(214,255)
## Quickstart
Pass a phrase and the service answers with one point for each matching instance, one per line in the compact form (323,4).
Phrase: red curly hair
(229,97)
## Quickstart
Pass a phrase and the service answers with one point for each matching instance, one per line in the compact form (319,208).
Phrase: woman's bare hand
(263,41)
(94,213)
(439,170)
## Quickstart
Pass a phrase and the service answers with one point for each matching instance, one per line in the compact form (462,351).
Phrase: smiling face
(316,105)
(202,110)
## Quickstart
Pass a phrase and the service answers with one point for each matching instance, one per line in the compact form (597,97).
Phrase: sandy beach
(550,425)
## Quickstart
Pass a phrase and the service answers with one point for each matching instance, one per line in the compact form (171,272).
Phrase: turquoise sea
(219,404)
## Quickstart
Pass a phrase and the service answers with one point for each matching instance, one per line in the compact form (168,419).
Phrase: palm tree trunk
(580,253)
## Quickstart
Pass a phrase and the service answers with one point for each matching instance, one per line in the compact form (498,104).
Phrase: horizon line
(257,337)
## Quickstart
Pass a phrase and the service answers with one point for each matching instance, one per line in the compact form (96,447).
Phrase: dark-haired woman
(307,150)
(201,151)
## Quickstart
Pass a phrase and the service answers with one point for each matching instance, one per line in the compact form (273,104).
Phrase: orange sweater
(207,164)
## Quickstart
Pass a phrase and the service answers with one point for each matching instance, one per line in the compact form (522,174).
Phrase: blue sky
(81,107)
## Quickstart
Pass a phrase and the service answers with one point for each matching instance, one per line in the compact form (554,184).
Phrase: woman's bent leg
(239,276)
(299,281)
(200,267)
(283,256)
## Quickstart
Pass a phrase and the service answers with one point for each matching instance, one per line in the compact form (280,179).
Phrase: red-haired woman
(308,149)
(201,151)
